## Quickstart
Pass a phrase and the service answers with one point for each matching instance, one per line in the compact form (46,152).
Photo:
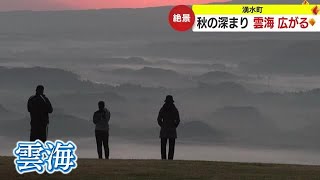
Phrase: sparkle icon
(312,21)
(315,10)
(305,2)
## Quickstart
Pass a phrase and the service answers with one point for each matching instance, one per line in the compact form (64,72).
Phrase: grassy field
(156,169)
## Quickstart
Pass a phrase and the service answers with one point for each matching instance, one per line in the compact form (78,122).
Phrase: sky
(11,5)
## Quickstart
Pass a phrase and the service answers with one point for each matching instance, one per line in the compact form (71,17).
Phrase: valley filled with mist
(242,93)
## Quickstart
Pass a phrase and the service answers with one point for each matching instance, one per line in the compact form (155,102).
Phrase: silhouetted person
(39,107)
(168,120)
(101,120)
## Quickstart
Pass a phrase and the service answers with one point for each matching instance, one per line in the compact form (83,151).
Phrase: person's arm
(50,109)
(29,104)
(108,115)
(95,118)
(177,122)
(160,118)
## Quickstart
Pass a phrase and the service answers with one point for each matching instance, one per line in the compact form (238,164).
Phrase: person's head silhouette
(169,99)
(39,90)
(101,105)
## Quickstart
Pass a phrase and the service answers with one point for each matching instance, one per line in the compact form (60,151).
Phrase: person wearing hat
(39,108)
(168,120)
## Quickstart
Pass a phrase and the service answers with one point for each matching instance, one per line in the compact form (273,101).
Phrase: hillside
(155,169)
(216,76)
(28,78)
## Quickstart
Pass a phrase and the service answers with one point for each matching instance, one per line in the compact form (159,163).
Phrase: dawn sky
(9,5)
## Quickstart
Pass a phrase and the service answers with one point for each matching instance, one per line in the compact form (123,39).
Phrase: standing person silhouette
(39,108)
(168,120)
(101,120)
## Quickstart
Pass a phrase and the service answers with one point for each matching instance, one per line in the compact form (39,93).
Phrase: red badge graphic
(181,18)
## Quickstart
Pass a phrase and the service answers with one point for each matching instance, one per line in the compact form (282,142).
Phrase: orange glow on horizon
(11,5)
(101,4)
